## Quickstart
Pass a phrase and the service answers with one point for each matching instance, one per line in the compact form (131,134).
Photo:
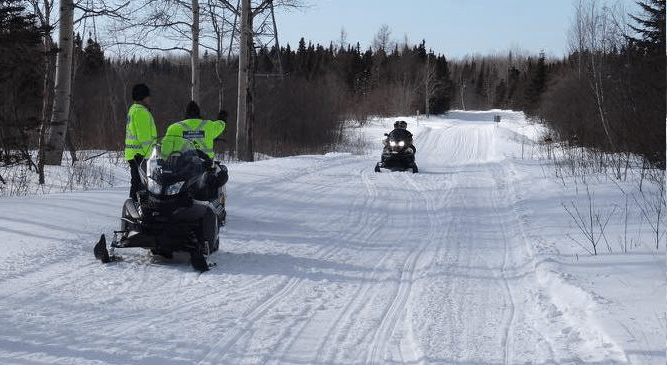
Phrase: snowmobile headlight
(401,143)
(392,143)
(154,187)
(173,189)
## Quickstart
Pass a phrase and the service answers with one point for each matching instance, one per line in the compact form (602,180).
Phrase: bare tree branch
(150,48)
(230,7)
(104,11)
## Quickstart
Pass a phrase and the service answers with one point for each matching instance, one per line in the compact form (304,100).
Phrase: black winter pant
(135,179)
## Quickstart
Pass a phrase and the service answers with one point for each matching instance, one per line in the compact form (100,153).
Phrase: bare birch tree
(43,11)
(150,24)
(382,40)
(577,34)
(194,53)
(244,150)
(186,25)
(431,83)
(342,41)
(246,79)
(166,20)
(57,128)
(55,112)
(594,32)
(220,25)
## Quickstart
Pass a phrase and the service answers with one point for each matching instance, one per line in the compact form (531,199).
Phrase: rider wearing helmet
(403,125)
(400,124)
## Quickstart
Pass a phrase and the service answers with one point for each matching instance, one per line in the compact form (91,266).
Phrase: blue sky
(454,28)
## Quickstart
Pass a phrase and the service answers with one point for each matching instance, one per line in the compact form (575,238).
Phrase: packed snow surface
(473,261)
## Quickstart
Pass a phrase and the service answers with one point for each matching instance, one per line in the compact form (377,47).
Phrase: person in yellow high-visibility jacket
(201,132)
(140,134)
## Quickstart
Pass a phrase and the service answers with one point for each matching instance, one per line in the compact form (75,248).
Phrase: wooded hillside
(609,97)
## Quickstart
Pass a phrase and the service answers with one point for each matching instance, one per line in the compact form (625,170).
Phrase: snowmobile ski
(101,252)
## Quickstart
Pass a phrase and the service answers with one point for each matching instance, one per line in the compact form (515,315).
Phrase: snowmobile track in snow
(394,312)
(324,261)
(363,213)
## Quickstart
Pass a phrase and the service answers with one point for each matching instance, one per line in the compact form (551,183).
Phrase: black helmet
(400,124)
(140,92)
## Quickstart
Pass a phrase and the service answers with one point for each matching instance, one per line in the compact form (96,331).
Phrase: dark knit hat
(192,110)
(140,92)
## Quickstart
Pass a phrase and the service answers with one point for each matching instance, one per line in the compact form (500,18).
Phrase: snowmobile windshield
(173,161)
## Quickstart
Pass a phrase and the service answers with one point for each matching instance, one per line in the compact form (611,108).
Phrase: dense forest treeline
(610,99)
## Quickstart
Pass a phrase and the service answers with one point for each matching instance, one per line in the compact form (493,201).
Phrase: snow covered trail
(322,261)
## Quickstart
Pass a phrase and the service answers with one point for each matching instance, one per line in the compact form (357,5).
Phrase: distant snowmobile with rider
(399,152)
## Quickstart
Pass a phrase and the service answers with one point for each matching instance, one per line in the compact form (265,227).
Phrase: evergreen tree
(93,58)
(301,58)
(501,91)
(440,101)
(647,72)
(651,27)
(20,80)
(537,84)
(513,87)
(479,84)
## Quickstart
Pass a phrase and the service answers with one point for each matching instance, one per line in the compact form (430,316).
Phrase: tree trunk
(47,108)
(221,83)
(427,91)
(243,120)
(194,55)
(219,32)
(463,92)
(55,136)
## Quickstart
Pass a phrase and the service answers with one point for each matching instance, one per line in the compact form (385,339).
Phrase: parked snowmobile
(399,152)
(180,208)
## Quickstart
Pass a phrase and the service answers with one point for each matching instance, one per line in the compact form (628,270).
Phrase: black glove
(207,161)
(138,159)
(222,115)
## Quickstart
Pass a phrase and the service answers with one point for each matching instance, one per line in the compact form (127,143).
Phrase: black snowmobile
(399,152)
(180,208)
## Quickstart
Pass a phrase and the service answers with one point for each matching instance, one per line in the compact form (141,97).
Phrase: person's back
(194,128)
(202,133)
